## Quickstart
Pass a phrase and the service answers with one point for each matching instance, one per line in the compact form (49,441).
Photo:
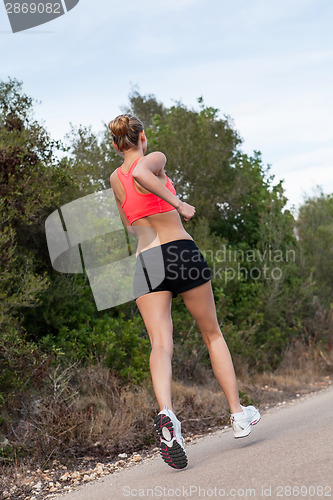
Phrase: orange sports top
(137,205)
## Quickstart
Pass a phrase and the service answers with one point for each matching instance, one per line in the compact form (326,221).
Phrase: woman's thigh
(155,309)
(199,301)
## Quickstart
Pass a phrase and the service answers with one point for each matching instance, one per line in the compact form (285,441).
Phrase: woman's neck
(132,154)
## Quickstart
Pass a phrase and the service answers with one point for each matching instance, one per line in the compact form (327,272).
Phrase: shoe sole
(171,451)
(247,430)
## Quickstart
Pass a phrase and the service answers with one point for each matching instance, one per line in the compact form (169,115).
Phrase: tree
(200,149)
(33,183)
(25,189)
(315,231)
(145,107)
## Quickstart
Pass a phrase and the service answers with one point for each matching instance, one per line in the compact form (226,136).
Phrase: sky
(268,65)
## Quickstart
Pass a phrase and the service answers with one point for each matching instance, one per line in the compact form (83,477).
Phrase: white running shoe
(172,445)
(242,422)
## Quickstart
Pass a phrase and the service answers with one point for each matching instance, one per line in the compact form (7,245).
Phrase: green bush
(121,343)
(22,365)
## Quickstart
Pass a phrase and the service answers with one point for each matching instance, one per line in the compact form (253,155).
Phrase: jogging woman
(147,202)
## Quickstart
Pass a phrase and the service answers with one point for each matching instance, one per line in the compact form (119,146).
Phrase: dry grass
(304,368)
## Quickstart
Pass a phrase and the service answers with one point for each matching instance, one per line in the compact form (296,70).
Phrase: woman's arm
(145,173)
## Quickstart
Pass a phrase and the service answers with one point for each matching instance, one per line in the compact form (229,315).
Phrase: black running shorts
(176,266)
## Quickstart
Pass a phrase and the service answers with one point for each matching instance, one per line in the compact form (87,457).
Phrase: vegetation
(272,274)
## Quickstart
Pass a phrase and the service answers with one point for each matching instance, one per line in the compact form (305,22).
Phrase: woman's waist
(162,245)
(152,233)
(170,248)
(163,242)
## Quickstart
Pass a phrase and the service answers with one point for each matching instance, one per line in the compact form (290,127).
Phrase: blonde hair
(125,130)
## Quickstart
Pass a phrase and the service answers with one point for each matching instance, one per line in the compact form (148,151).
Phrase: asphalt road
(289,454)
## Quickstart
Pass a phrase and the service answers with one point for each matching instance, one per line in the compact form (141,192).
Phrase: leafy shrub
(22,365)
(121,344)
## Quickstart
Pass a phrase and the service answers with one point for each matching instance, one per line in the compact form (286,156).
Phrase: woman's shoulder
(114,178)
(113,175)
(155,159)
(155,156)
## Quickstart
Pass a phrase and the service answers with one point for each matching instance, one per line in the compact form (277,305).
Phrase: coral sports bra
(137,205)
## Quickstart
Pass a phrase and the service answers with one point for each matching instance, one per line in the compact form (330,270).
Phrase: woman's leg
(201,305)
(155,309)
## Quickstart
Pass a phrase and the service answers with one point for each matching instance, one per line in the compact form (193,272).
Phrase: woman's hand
(186,210)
